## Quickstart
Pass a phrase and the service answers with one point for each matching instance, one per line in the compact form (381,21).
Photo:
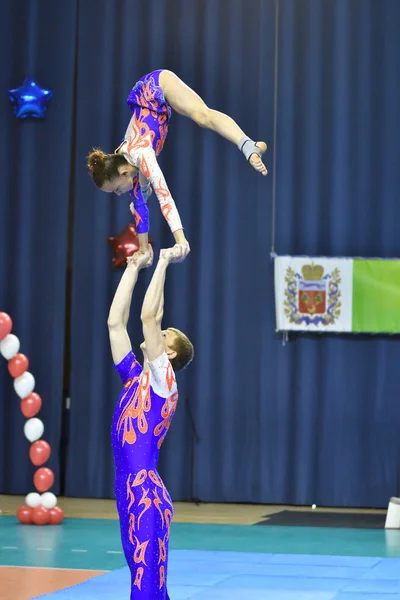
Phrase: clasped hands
(143,259)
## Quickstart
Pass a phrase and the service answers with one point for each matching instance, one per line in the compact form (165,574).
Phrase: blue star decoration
(30,100)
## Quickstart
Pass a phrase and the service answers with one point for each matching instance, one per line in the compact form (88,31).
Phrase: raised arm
(119,310)
(153,304)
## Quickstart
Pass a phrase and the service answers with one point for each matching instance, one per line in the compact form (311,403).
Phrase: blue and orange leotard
(141,421)
(143,141)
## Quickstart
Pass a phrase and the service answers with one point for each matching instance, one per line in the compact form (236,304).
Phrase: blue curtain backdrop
(315,421)
(332,415)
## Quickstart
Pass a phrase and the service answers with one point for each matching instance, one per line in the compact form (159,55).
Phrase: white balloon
(48,500)
(24,384)
(33,429)
(33,499)
(9,346)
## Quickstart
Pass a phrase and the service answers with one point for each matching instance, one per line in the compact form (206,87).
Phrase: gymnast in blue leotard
(133,167)
(142,418)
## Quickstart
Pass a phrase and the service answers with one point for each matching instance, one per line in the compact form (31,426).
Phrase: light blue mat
(210,575)
(95,544)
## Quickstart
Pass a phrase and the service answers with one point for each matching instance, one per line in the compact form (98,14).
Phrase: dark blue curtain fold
(315,421)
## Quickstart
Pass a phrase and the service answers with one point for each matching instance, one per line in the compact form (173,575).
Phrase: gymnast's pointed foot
(256,161)
(253,152)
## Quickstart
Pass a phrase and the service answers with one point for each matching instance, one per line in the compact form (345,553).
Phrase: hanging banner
(337,294)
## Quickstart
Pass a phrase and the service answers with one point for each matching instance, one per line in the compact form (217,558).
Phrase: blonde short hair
(184,350)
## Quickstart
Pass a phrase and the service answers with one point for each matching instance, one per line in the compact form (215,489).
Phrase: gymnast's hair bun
(96,160)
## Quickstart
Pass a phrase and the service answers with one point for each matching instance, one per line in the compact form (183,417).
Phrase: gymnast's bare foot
(256,161)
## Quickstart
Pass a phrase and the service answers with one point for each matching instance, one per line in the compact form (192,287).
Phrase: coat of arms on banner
(312,298)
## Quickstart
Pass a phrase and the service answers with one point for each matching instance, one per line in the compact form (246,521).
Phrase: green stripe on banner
(376,296)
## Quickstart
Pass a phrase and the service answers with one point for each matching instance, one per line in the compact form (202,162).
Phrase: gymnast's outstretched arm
(153,304)
(120,307)
(144,158)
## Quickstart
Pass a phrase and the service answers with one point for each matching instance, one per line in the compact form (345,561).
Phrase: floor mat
(205,575)
(313,518)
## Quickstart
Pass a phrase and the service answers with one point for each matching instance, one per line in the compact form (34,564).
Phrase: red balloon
(43,479)
(56,515)
(39,452)
(30,405)
(17,365)
(125,244)
(41,515)
(5,325)
(24,515)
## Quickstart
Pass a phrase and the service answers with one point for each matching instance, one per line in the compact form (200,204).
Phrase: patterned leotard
(141,421)
(143,141)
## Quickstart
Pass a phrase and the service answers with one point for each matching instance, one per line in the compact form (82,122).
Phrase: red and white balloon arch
(40,507)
